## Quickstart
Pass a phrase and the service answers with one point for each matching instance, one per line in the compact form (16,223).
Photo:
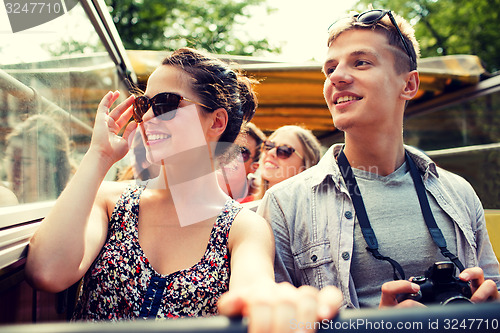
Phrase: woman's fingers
(124,108)
(130,129)
(282,307)
(107,101)
(330,300)
(108,124)
(308,304)
(117,118)
(125,116)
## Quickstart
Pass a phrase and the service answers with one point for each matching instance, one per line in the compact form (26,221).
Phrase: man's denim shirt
(312,217)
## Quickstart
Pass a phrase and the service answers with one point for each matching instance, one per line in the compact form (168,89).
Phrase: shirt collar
(423,162)
(327,167)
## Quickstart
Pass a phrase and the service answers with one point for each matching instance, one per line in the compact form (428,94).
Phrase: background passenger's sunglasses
(245,153)
(282,151)
(371,17)
(164,103)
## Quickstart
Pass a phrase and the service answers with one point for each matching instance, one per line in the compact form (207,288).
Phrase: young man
(370,75)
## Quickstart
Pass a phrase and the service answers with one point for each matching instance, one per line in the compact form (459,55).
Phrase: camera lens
(456,300)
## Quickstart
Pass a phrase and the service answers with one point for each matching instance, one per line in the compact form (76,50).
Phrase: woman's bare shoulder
(247,216)
(248,224)
(113,187)
(110,192)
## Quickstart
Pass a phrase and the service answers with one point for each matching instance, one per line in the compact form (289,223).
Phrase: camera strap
(434,230)
(364,222)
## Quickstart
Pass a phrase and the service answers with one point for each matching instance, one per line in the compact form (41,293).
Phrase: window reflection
(52,78)
(38,163)
(469,123)
(461,129)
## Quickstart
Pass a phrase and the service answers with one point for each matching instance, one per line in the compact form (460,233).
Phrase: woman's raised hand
(106,140)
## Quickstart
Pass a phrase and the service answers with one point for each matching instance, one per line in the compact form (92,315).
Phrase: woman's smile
(155,138)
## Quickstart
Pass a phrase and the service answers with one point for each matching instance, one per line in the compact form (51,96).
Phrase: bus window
(52,78)
(464,138)
(473,122)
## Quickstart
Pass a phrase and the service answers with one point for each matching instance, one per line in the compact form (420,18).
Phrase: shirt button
(314,258)
(348,214)
(346,255)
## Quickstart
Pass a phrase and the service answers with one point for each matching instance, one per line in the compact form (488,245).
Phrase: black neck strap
(364,222)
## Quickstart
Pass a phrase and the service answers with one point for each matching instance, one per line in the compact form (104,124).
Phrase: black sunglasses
(282,151)
(245,153)
(371,17)
(164,103)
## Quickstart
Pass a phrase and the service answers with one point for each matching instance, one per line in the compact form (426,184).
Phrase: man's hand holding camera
(440,286)
(482,290)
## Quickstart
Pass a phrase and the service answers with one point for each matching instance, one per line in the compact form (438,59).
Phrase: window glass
(464,126)
(473,122)
(52,78)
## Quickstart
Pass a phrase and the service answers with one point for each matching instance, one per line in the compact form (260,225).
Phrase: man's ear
(411,87)
(219,122)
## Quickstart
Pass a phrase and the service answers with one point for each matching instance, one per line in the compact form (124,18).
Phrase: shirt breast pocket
(316,266)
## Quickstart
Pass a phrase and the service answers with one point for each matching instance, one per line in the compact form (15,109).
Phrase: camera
(440,286)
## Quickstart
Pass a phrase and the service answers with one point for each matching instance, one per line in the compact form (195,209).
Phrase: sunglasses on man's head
(282,151)
(371,17)
(164,103)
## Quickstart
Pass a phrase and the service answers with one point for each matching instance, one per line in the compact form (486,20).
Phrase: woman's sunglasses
(373,16)
(164,103)
(245,153)
(282,151)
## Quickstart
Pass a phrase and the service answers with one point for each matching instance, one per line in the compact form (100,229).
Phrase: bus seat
(493,225)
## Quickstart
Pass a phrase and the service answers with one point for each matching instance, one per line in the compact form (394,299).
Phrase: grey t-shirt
(394,212)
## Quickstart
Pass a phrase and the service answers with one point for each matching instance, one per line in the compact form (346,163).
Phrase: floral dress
(122,284)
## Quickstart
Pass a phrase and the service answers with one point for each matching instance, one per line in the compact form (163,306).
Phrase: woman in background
(38,163)
(288,151)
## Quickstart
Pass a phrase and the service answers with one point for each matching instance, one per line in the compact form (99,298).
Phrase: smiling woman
(179,245)
(287,152)
(158,249)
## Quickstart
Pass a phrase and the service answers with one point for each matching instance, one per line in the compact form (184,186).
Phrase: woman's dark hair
(218,86)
